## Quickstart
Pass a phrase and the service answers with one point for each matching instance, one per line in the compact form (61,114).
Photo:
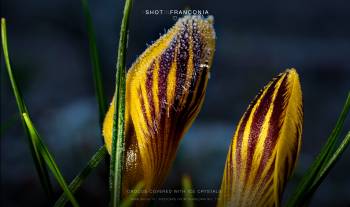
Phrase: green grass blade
(339,126)
(42,149)
(80,178)
(331,162)
(188,191)
(97,75)
(302,192)
(37,158)
(118,139)
(96,69)
(133,195)
(16,91)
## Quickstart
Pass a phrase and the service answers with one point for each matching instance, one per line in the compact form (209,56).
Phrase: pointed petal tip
(292,72)
(293,79)
(204,24)
(198,19)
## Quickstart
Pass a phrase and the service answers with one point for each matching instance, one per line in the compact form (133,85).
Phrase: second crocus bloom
(265,146)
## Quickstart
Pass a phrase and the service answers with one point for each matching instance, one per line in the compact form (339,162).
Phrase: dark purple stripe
(197,51)
(239,138)
(149,87)
(256,127)
(240,131)
(182,62)
(274,125)
(143,107)
(189,109)
(151,126)
(165,62)
(198,47)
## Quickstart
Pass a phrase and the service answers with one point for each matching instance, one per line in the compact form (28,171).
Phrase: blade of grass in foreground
(97,75)
(331,162)
(118,142)
(133,195)
(96,69)
(38,159)
(187,187)
(80,178)
(48,159)
(310,181)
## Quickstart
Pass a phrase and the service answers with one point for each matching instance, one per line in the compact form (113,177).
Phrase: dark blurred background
(256,40)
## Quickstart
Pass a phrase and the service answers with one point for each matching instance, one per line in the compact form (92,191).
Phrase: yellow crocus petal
(265,146)
(165,89)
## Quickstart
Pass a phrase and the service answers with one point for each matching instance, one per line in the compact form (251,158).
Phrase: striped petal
(164,92)
(265,146)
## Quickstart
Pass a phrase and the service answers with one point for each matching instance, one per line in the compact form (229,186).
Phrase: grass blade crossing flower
(265,147)
(118,125)
(165,89)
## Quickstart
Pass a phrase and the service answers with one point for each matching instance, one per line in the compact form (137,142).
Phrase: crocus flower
(165,90)
(265,146)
